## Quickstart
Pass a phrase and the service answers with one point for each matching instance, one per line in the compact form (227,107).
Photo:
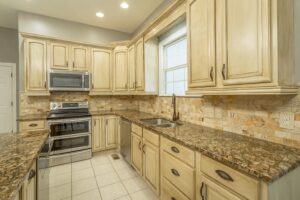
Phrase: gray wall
(8,45)
(297,40)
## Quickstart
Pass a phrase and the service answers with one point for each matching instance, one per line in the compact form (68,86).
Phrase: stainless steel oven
(59,80)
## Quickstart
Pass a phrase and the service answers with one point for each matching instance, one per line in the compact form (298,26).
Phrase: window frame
(170,40)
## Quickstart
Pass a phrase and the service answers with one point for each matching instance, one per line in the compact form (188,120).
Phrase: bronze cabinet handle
(175,172)
(175,149)
(73,64)
(211,73)
(32,174)
(223,71)
(143,148)
(201,191)
(45,84)
(140,148)
(173,198)
(33,125)
(95,122)
(224,175)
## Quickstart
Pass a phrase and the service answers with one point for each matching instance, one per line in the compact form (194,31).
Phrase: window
(173,63)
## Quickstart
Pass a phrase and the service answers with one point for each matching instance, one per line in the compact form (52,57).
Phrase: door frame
(14,92)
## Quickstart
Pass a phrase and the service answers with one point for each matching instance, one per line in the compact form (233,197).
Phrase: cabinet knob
(175,149)
(175,172)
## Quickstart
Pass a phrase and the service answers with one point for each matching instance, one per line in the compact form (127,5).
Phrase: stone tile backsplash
(272,118)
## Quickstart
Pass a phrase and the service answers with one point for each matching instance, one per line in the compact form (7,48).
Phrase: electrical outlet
(287,120)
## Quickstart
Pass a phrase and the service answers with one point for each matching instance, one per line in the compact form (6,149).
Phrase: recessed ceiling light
(99,14)
(124,5)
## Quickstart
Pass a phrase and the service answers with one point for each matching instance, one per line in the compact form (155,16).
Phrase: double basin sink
(160,122)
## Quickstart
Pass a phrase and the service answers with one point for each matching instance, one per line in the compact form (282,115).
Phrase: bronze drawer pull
(175,149)
(143,148)
(31,174)
(140,145)
(175,172)
(33,125)
(201,191)
(223,71)
(211,74)
(224,175)
(173,198)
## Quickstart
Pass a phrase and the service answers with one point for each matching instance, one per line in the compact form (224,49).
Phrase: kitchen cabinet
(35,55)
(131,67)
(59,55)
(101,69)
(32,125)
(30,185)
(136,153)
(201,47)
(248,47)
(80,57)
(120,69)
(139,68)
(104,133)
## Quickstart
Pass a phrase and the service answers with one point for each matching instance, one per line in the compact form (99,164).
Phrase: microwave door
(66,81)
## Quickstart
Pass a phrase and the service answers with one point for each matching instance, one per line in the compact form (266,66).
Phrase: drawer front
(179,174)
(32,125)
(169,192)
(184,154)
(240,183)
(151,137)
(137,129)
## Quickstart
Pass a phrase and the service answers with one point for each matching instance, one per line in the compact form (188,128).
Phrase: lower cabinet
(32,125)
(28,191)
(145,156)
(105,132)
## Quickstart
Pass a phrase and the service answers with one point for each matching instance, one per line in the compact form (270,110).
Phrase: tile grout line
(98,187)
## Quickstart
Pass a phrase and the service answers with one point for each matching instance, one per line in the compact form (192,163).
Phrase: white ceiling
(82,11)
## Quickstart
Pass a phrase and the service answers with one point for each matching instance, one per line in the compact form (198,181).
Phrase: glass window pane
(179,88)
(176,54)
(179,74)
(169,76)
(169,89)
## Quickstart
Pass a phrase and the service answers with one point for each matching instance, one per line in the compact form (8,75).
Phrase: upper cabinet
(65,56)
(139,64)
(35,67)
(201,33)
(240,47)
(120,69)
(101,70)
(131,67)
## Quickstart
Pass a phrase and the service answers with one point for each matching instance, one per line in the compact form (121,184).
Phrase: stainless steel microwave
(68,81)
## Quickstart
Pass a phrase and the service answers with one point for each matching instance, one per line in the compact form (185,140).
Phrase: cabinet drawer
(184,154)
(240,183)
(137,129)
(151,137)
(169,192)
(179,174)
(32,125)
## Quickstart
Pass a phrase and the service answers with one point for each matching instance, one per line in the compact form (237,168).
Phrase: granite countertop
(259,159)
(31,117)
(17,154)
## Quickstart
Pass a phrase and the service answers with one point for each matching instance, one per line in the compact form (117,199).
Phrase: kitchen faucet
(175,114)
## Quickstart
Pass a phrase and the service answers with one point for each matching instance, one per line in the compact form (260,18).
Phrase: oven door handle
(70,136)
(60,121)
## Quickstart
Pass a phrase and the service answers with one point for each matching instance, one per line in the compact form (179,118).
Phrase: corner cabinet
(120,69)
(105,133)
(101,70)
(35,67)
(254,47)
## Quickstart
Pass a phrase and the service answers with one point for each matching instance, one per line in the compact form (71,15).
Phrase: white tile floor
(100,178)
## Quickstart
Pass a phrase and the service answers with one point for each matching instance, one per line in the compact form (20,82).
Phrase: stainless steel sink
(159,122)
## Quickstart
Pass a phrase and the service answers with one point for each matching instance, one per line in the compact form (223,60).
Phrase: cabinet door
(139,56)
(29,186)
(131,67)
(151,165)
(201,43)
(101,70)
(121,70)
(98,141)
(59,56)
(136,153)
(246,48)
(80,56)
(36,65)
(212,191)
(111,131)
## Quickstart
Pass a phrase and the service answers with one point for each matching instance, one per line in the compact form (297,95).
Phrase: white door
(6,99)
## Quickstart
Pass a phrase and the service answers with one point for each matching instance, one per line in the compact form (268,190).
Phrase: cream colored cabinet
(80,57)
(120,69)
(131,67)
(246,51)
(32,125)
(139,68)
(136,153)
(105,132)
(35,67)
(101,71)
(30,185)
(201,48)
(59,55)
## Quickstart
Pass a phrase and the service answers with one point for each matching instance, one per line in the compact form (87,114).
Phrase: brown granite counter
(17,154)
(260,159)
(31,117)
